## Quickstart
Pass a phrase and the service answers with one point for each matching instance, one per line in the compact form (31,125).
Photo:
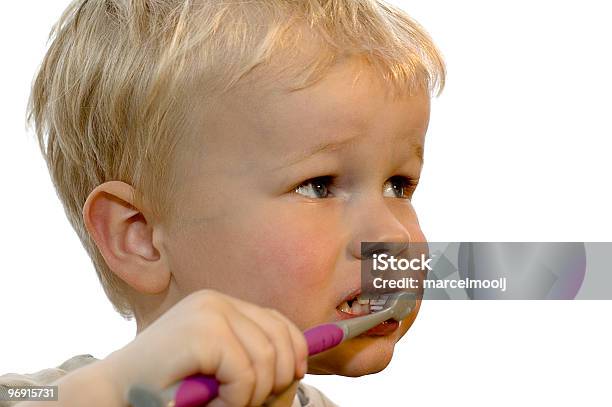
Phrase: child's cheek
(299,262)
(300,254)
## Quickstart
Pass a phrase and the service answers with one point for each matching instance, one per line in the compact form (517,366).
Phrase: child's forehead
(348,106)
(349,98)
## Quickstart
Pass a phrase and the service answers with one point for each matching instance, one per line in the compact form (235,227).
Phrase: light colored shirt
(306,396)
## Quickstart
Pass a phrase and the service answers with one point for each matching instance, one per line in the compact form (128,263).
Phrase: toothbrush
(197,390)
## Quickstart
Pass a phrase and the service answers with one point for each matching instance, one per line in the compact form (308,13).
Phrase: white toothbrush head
(402,303)
(395,306)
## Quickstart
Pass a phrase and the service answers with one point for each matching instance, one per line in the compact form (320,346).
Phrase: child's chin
(357,357)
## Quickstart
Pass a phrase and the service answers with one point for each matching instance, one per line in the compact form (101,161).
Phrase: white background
(518,150)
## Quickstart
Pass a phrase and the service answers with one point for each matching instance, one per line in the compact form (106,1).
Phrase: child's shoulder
(309,396)
(42,377)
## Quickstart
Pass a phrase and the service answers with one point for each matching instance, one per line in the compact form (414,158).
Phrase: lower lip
(383,329)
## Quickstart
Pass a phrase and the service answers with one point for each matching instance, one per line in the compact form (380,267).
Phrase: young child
(221,162)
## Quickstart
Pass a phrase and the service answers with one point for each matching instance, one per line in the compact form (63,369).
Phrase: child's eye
(399,187)
(315,187)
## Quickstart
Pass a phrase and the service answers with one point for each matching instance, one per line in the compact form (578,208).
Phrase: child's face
(245,231)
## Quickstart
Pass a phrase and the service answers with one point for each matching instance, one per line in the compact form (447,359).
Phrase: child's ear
(127,241)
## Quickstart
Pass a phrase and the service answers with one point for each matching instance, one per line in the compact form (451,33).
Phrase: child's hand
(252,351)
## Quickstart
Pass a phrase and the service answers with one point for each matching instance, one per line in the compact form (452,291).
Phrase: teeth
(363,305)
(355,309)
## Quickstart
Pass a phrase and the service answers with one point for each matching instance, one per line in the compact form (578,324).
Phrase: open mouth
(358,305)
(361,305)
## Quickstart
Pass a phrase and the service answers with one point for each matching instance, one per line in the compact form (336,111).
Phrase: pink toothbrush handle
(323,337)
(198,390)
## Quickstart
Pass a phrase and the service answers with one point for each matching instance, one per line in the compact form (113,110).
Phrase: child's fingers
(277,329)
(257,351)
(285,398)
(261,352)
(300,347)
(285,361)
(233,367)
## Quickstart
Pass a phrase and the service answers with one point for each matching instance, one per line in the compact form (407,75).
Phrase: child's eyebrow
(320,148)
(419,152)
(324,147)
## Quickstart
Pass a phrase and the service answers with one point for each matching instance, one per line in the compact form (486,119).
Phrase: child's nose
(377,223)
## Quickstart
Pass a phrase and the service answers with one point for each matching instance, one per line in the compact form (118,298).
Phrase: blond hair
(111,98)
